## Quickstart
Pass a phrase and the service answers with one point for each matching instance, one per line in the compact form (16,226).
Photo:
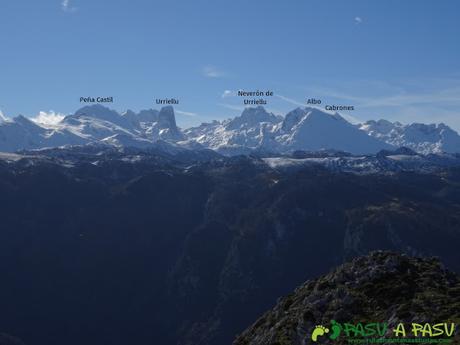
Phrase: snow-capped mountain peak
(423,138)
(165,128)
(292,118)
(378,127)
(251,117)
(313,129)
(149,115)
(27,123)
(132,118)
(102,113)
(98,111)
(167,118)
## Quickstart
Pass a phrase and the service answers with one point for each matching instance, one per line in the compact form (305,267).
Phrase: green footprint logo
(336,329)
(318,331)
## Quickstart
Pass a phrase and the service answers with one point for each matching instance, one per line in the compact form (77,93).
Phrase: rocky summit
(383,287)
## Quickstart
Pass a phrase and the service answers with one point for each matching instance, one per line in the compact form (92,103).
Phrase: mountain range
(308,129)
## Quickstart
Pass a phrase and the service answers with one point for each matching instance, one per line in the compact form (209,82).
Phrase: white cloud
(48,118)
(67,6)
(290,100)
(352,119)
(3,118)
(186,113)
(358,20)
(228,93)
(212,72)
(401,97)
(231,106)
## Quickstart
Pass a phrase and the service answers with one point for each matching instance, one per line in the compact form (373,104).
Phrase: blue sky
(391,59)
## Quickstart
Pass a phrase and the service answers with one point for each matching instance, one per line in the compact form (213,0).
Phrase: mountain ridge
(308,129)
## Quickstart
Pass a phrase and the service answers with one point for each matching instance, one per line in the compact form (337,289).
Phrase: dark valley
(106,246)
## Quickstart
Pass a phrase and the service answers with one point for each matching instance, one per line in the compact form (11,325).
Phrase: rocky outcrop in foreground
(380,287)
